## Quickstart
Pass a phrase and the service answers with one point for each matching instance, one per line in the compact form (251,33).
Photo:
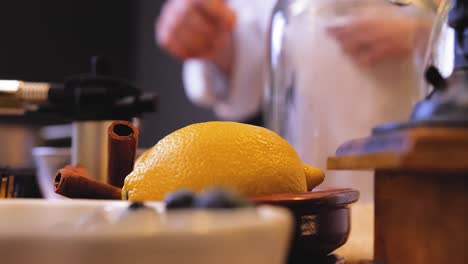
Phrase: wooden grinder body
(420,192)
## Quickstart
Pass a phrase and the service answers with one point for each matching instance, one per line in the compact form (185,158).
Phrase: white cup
(48,161)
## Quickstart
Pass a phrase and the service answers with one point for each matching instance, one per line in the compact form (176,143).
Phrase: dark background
(50,39)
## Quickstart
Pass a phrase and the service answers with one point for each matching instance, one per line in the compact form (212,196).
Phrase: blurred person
(222,44)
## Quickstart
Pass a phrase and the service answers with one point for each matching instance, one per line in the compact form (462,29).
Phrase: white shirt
(239,97)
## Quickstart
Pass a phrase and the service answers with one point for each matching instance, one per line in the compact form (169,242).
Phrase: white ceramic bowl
(42,231)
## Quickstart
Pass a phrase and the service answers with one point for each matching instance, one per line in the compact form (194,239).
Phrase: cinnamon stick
(78,169)
(122,147)
(71,184)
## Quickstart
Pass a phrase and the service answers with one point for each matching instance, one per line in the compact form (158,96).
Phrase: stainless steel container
(89,147)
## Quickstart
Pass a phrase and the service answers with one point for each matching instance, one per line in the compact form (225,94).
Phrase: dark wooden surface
(420,192)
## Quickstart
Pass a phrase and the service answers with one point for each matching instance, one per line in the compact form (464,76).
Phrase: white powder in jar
(335,100)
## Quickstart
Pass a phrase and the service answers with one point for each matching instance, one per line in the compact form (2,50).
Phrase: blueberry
(137,218)
(220,199)
(180,199)
(136,206)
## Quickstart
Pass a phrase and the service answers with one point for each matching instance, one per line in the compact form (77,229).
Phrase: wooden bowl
(322,220)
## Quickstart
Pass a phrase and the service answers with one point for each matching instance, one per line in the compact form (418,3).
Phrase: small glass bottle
(440,51)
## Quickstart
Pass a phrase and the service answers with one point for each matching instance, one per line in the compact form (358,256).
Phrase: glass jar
(317,97)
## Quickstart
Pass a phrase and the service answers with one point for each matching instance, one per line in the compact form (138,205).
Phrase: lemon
(251,159)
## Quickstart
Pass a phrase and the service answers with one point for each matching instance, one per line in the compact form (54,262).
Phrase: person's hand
(195,28)
(372,40)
